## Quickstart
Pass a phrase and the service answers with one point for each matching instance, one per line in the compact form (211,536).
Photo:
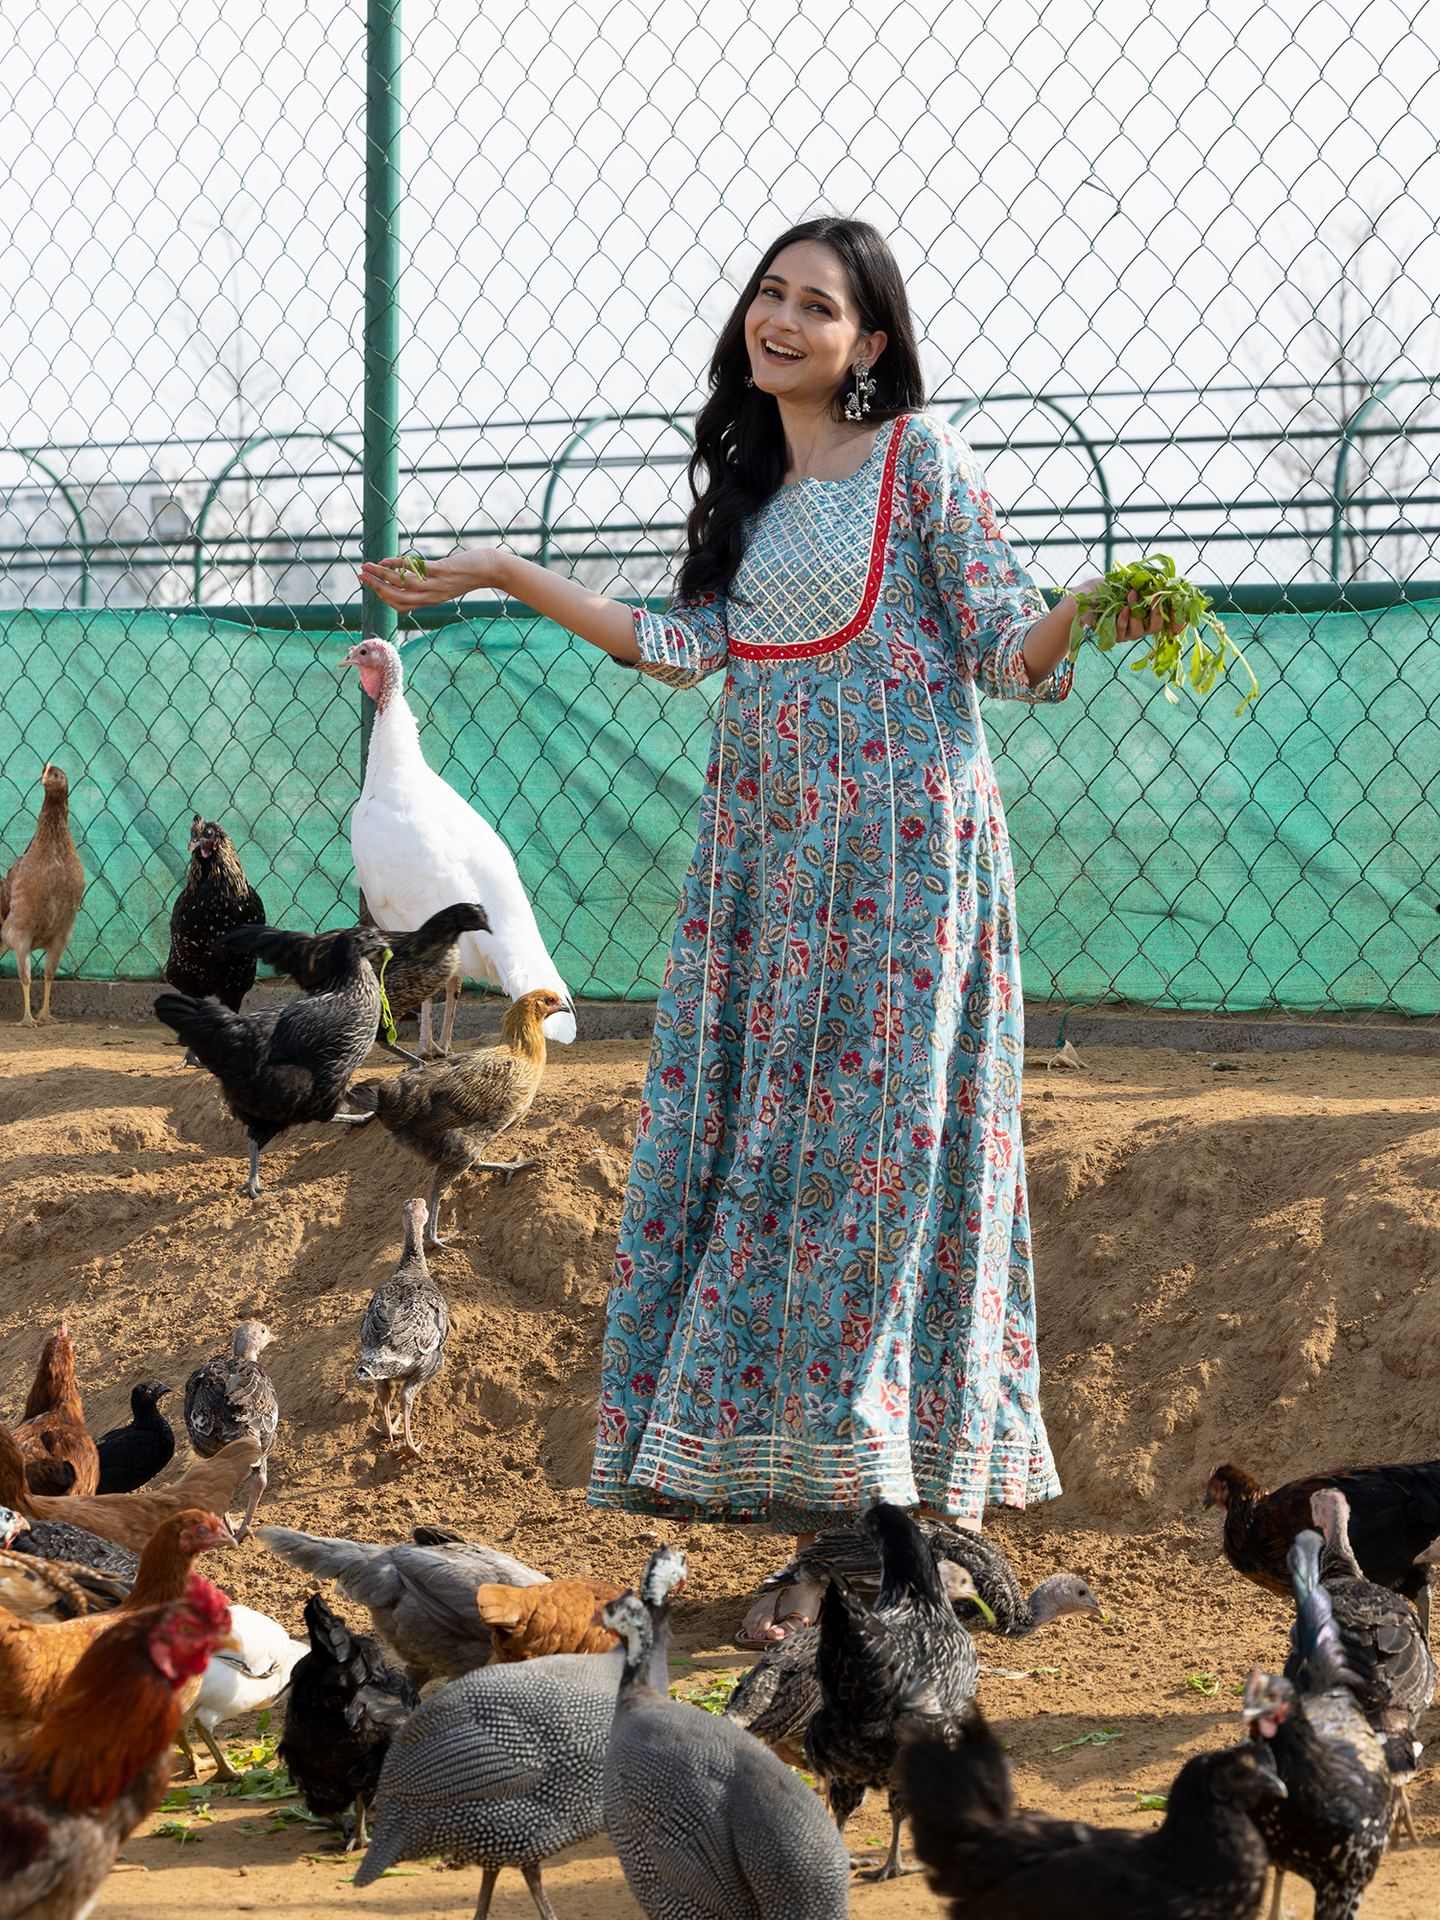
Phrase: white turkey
(418,846)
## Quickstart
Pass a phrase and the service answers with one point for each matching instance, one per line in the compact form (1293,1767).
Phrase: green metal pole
(382,316)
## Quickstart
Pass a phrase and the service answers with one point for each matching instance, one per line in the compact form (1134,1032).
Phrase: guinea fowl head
(664,1577)
(10,1524)
(628,1619)
(1064,1593)
(381,674)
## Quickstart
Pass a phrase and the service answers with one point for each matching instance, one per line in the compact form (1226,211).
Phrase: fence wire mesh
(1173,270)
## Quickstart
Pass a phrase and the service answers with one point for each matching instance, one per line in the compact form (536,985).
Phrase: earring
(749,380)
(857,401)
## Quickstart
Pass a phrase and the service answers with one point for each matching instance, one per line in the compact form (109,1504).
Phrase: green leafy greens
(1158,588)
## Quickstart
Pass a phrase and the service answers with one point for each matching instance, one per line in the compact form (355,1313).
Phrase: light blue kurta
(823,1292)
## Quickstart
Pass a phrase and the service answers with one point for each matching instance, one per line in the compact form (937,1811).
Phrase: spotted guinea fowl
(403,1334)
(867,1661)
(76,1547)
(1206,1860)
(450,1114)
(285,1065)
(215,899)
(423,962)
(232,1398)
(132,1455)
(706,1823)
(344,1707)
(506,1767)
(1383,1644)
(1332,1827)
(794,1591)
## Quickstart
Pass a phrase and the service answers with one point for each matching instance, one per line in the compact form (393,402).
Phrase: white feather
(245,1682)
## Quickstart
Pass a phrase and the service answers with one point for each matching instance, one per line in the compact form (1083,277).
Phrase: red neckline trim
(884,513)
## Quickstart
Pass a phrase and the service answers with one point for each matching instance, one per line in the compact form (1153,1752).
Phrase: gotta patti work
(823,1291)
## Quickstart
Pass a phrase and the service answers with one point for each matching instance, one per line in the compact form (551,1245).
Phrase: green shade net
(1173,856)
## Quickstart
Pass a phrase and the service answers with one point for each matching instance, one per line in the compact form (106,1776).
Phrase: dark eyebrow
(780,280)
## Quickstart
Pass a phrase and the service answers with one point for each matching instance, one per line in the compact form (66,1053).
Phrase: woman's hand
(1129,626)
(448,579)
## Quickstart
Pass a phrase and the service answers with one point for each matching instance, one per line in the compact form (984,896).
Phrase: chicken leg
(452,1000)
(508,1167)
(22,967)
(259,1480)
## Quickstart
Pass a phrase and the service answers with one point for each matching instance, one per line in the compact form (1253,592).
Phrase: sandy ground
(1230,1264)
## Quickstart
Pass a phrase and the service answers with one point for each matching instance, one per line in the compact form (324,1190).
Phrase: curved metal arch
(558,464)
(259,440)
(86,544)
(1338,499)
(1043,400)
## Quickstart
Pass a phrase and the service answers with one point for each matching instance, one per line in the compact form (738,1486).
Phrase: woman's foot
(781,1611)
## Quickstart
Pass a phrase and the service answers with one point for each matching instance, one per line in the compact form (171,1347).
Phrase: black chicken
(215,899)
(343,1709)
(866,1662)
(233,1398)
(282,1066)
(1332,1826)
(423,962)
(131,1456)
(1206,1860)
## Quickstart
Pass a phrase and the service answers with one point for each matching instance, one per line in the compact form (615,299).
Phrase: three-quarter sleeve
(990,601)
(686,642)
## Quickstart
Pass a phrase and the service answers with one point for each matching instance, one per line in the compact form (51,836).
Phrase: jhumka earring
(749,380)
(857,401)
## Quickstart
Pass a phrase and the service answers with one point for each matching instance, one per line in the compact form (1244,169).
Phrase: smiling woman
(823,1289)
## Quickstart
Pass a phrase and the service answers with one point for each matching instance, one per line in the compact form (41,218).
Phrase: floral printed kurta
(823,1291)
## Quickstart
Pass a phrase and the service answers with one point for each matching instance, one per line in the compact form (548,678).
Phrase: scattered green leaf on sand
(1206,1683)
(1150,1802)
(1098,1737)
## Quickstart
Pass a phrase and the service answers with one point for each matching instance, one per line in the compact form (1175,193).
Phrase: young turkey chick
(285,1065)
(130,1457)
(450,1114)
(215,899)
(60,1456)
(231,1398)
(41,894)
(403,1334)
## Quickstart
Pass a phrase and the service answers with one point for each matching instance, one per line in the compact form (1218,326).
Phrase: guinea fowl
(450,1114)
(215,899)
(60,1457)
(286,1065)
(423,962)
(131,1456)
(40,896)
(1383,1644)
(74,1547)
(1205,1861)
(403,1334)
(866,1662)
(1394,1515)
(507,1766)
(344,1707)
(417,845)
(232,1398)
(421,1598)
(706,1823)
(1333,1826)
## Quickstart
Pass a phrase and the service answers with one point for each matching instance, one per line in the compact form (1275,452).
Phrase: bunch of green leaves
(1150,586)
(1097,1737)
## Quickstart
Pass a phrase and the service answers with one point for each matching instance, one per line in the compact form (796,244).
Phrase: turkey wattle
(418,846)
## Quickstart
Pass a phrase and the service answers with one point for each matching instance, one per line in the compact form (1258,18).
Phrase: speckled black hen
(232,1398)
(282,1066)
(403,1334)
(215,899)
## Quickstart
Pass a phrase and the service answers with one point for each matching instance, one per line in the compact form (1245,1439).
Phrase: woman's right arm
(608,624)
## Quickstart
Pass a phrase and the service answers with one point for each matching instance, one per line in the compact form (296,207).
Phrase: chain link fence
(1173,271)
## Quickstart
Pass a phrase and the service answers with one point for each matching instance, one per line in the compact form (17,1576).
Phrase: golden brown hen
(40,895)
(449,1114)
(128,1519)
(558,1616)
(59,1455)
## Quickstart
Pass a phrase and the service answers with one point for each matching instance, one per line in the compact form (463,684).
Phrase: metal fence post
(381,482)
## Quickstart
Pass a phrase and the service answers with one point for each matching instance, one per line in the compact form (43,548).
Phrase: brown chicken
(558,1616)
(36,1660)
(51,1434)
(101,1760)
(129,1519)
(449,1114)
(40,895)
(47,1590)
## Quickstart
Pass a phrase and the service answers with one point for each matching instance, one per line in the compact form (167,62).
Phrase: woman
(823,1291)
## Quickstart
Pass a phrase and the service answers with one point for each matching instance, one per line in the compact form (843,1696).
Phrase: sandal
(769,1613)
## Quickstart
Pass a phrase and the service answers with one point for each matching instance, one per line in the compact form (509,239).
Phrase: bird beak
(352,658)
(230,1641)
(1430,1557)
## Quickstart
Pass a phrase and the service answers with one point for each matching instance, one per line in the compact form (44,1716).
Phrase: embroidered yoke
(823,1290)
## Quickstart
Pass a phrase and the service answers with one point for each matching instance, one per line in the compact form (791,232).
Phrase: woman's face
(803,329)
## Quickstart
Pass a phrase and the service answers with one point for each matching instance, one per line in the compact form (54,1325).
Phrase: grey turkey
(403,1334)
(507,1766)
(706,1823)
(421,1598)
(1383,1645)
(867,1662)
(793,1592)
(232,1398)
(1333,1825)
(285,1065)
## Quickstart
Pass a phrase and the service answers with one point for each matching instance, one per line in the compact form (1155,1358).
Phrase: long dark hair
(739,457)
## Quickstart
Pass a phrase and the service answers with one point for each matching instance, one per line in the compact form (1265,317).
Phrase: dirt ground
(1230,1265)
